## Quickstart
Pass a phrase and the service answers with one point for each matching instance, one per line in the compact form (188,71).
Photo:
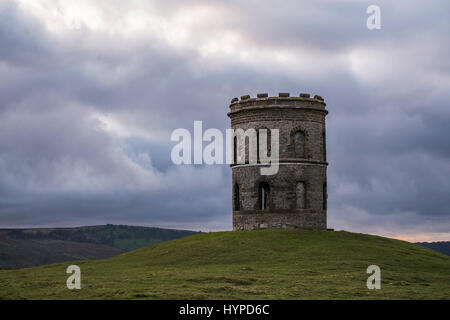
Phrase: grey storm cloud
(90,93)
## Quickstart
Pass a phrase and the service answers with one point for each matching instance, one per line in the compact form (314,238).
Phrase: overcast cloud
(90,92)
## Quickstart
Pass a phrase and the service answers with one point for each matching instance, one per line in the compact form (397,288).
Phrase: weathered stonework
(295,197)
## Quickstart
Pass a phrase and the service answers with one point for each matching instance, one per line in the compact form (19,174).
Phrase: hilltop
(20,248)
(258,264)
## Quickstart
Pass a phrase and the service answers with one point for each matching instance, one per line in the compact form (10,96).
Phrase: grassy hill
(20,248)
(21,253)
(261,264)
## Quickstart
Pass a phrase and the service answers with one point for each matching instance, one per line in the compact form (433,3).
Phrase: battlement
(283,96)
(283,100)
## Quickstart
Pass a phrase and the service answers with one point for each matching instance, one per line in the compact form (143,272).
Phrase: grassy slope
(120,236)
(264,264)
(20,248)
(32,252)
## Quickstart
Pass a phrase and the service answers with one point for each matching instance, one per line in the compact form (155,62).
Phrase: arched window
(237,205)
(325,195)
(299,144)
(300,192)
(324,142)
(264,196)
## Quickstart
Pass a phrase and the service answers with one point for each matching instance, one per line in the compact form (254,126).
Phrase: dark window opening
(264,196)
(237,205)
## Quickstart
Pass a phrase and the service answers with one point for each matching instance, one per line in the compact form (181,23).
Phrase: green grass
(132,244)
(263,264)
(22,248)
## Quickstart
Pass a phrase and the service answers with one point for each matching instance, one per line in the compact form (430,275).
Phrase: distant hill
(20,248)
(441,246)
(256,264)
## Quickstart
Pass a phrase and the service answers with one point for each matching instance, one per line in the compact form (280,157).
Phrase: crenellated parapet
(283,100)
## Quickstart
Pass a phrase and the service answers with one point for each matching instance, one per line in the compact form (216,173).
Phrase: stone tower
(295,197)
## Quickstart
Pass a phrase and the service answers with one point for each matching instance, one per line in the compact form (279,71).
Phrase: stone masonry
(295,197)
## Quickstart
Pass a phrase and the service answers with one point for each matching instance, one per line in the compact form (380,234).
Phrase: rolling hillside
(15,254)
(260,264)
(20,248)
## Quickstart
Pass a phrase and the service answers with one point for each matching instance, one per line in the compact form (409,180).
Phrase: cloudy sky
(90,92)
